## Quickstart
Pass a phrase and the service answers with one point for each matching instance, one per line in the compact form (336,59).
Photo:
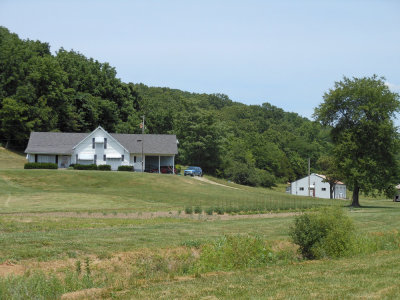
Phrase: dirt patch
(213,182)
(151,215)
(83,294)
(9,268)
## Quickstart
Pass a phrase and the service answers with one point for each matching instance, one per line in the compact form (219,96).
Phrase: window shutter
(122,157)
(104,157)
(93,145)
(95,158)
(105,143)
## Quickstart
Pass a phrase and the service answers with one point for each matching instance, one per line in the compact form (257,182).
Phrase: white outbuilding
(318,187)
(156,151)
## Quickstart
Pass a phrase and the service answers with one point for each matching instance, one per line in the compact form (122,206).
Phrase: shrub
(104,167)
(126,168)
(188,210)
(220,210)
(178,169)
(85,167)
(35,165)
(209,211)
(233,252)
(198,210)
(324,233)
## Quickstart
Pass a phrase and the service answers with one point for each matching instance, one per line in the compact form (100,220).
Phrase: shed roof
(64,142)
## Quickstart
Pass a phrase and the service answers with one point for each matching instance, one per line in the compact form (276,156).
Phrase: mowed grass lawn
(97,191)
(50,219)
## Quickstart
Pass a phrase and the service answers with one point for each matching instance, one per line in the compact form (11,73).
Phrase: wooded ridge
(68,92)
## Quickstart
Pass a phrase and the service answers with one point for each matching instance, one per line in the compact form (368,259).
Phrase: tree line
(257,145)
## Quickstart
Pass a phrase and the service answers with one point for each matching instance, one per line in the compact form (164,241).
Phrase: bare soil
(151,215)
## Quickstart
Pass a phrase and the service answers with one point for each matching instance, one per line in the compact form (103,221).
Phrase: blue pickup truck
(193,171)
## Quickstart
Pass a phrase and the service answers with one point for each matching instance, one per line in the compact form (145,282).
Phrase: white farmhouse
(318,188)
(157,151)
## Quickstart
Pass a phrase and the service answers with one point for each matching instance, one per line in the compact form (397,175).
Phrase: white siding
(46,158)
(114,149)
(300,187)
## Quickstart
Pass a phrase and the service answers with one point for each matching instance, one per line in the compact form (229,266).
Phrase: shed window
(105,143)
(104,157)
(323,189)
(93,143)
(301,189)
(122,157)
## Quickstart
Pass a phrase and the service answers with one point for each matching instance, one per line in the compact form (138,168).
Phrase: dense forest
(68,92)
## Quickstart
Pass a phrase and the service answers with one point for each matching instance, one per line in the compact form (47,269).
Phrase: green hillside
(11,160)
(255,145)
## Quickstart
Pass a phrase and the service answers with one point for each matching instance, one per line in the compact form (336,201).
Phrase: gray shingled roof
(63,142)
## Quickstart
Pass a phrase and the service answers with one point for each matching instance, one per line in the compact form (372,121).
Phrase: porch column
(173,165)
(159,164)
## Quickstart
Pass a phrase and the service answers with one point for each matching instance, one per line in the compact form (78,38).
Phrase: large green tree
(361,113)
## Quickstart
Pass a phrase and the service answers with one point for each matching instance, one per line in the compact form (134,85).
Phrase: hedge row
(125,168)
(85,167)
(104,167)
(36,165)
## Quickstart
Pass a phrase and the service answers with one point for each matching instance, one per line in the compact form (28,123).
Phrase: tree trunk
(355,201)
(331,189)
(7,144)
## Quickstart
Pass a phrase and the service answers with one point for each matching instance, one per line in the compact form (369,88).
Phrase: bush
(188,210)
(246,174)
(35,165)
(233,252)
(178,169)
(85,167)
(198,210)
(209,211)
(104,167)
(126,168)
(325,233)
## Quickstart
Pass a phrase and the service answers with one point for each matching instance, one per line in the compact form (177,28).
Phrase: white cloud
(393,87)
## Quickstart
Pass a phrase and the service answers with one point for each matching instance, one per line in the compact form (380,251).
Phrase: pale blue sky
(287,53)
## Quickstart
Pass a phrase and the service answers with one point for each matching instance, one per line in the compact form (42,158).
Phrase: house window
(301,189)
(104,157)
(105,143)
(323,189)
(95,158)
(93,143)
(122,157)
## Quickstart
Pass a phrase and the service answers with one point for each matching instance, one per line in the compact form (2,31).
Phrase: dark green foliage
(209,211)
(35,165)
(125,168)
(325,233)
(188,210)
(256,145)
(104,167)
(85,167)
(198,210)
(366,142)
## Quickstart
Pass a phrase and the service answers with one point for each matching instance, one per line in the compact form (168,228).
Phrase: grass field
(128,229)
